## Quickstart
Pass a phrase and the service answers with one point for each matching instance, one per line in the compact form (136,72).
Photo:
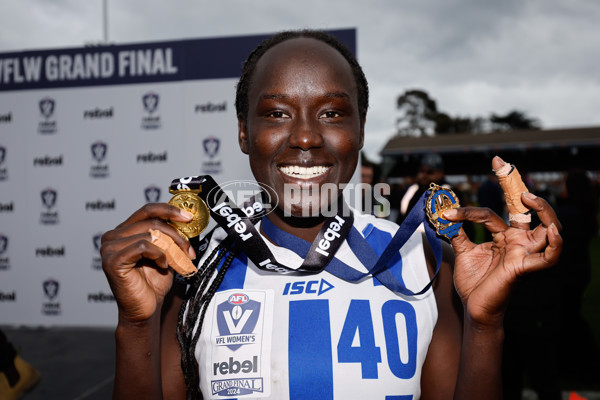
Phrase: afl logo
(238,298)
(49,197)
(152,194)
(211,146)
(51,288)
(99,150)
(150,101)
(47,107)
(3,244)
(97,240)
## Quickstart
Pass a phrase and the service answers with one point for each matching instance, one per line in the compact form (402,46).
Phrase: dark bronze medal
(441,199)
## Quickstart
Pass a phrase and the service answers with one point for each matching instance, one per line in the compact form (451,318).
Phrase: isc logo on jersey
(308,287)
(236,320)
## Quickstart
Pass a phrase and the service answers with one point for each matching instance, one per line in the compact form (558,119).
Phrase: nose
(306,133)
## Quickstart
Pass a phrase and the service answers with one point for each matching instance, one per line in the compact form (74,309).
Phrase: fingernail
(186,214)
(450,213)
(553,228)
(191,252)
(530,195)
(501,161)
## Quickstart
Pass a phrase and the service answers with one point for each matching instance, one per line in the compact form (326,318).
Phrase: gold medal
(441,199)
(192,203)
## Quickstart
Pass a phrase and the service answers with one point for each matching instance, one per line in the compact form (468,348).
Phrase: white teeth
(303,172)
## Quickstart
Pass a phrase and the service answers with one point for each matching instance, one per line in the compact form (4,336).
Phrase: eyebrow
(333,95)
(338,95)
(273,96)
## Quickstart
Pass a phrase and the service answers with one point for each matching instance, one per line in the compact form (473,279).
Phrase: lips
(298,172)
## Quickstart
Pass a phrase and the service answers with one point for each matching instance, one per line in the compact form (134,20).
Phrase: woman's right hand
(136,269)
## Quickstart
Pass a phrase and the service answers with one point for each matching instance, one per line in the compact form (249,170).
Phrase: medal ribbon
(335,230)
(377,266)
(240,226)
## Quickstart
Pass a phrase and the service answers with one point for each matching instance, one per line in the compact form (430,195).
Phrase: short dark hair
(243,86)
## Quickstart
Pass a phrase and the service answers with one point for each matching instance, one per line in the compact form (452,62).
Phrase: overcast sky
(474,57)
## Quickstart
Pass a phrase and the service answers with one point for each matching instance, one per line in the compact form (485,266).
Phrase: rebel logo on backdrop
(49,197)
(150,102)
(50,251)
(211,146)
(100,168)
(8,296)
(47,106)
(48,161)
(98,113)
(151,157)
(211,107)
(7,207)
(6,118)
(152,194)
(100,205)
(100,297)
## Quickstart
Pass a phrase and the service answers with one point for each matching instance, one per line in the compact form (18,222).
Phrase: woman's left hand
(485,273)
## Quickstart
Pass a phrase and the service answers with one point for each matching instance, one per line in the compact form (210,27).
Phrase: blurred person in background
(490,195)
(577,210)
(16,375)
(431,170)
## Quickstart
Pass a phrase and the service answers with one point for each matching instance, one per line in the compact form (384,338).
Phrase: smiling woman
(311,305)
(304,127)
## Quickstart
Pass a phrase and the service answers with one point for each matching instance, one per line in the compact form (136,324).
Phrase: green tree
(417,114)
(513,120)
(420,116)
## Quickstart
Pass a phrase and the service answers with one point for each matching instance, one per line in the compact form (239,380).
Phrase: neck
(306,228)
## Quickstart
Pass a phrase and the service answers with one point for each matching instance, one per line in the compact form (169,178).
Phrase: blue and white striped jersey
(294,336)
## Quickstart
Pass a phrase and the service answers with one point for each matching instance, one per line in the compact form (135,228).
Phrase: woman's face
(303,128)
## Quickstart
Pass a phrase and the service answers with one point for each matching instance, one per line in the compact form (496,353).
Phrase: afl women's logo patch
(236,320)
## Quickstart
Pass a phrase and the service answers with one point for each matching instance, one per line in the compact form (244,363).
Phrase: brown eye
(330,114)
(276,114)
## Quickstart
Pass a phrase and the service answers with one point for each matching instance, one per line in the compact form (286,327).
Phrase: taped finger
(176,258)
(513,187)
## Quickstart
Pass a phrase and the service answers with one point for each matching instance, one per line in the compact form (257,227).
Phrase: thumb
(460,242)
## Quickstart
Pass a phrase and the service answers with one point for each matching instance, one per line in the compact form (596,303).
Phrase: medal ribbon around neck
(335,230)
(241,227)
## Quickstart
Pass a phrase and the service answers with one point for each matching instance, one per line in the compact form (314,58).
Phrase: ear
(243,135)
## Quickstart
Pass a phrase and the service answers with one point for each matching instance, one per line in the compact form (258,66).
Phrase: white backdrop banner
(88,135)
